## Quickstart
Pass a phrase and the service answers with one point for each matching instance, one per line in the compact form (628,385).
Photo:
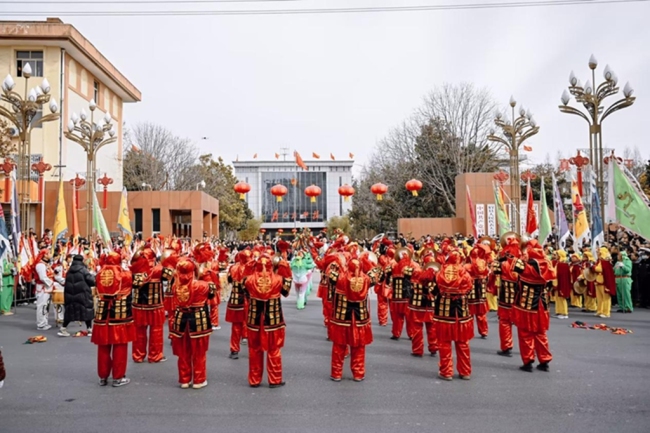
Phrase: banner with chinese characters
(480,219)
(491,220)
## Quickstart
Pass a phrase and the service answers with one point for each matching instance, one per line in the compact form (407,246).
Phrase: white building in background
(296,209)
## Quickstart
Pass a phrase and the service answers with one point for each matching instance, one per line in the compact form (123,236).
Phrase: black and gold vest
(344,310)
(237,296)
(451,308)
(421,297)
(402,286)
(112,310)
(270,309)
(146,295)
(194,320)
(478,292)
(530,295)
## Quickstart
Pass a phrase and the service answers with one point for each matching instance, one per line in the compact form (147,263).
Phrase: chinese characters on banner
(480,219)
(491,220)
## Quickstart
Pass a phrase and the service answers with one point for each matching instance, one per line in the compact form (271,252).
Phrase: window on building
(35,60)
(155,220)
(138,220)
(96,92)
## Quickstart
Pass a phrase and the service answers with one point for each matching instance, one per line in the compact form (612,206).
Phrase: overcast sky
(339,82)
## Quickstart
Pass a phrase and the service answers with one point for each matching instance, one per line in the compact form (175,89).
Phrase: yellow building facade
(77,73)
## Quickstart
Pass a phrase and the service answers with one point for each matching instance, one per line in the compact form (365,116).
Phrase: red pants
(214,311)
(482,324)
(155,343)
(463,362)
(505,329)
(238,331)
(192,358)
(382,310)
(357,361)
(273,357)
(327,311)
(116,364)
(531,343)
(417,344)
(399,313)
(169,309)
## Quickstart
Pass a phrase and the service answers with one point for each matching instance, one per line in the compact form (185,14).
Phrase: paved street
(599,382)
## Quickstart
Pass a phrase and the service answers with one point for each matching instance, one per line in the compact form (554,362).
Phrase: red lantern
(346,191)
(279,191)
(312,191)
(242,188)
(379,189)
(414,186)
(262,231)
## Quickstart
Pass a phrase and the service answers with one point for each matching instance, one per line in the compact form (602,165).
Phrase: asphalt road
(599,382)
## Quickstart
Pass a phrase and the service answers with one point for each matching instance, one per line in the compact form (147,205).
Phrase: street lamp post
(92,137)
(592,97)
(22,112)
(515,132)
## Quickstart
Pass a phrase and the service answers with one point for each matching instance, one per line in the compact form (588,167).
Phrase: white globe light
(593,63)
(513,102)
(607,73)
(112,132)
(83,114)
(31,96)
(614,78)
(39,91)
(9,82)
(565,97)
(588,88)
(498,115)
(108,118)
(92,105)
(70,125)
(522,111)
(492,131)
(27,70)
(532,122)
(45,85)
(572,79)
(53,107)
(628,90)
(75,118)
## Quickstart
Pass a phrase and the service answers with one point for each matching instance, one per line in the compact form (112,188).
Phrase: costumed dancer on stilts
(454,323)
(265,320)
(191,327)
(237,303)
(536,274)
(113,326)
(148,308)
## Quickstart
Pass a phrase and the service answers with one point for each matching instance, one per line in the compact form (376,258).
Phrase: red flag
(315,155)
(299,161)
(255,156)
(277,156)
(332,157)
(351,155)
(531,218)
(528,148)
(75,217)
(472,213)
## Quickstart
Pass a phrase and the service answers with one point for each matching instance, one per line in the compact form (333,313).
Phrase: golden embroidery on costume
(264,284)
(356,284)
(183,293)
(451,274)
(107,277)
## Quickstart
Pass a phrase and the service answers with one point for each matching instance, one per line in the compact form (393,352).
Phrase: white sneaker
(216,328)
(63,333)
(200,385)
(44,328)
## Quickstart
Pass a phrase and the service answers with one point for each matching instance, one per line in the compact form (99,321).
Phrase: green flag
(99,224)
(502,214)
(545,219)
(631,211)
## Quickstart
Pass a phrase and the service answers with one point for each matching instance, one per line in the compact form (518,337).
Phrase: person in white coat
(44,278)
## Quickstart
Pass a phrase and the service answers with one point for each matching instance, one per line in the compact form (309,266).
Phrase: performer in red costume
(329,263)
(265,321)
(204,256)
(191,327)
(386,260)
(453,319)
(531,306)
(168,261)
(350,324)
(479,271)
(400,280)
(237,303)
(507,281)
(562,286)
(421,309)
(148,308)
(113,327)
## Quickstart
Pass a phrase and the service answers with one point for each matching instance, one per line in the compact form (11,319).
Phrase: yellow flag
(61,219)
(580,222)
(123,220)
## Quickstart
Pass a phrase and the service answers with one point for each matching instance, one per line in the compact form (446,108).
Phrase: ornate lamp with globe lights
(514,132)
(92,136)
(592,97)
(21,111)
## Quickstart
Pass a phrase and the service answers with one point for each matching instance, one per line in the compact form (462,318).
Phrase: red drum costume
(382,288)
(508,282)
(479,271)
(350,324)
(421,311)
(452,317)
(265,321)
(113,327)
(590,304)
(191,327)
(148,308)
(531,306)
(237,303)
(399,277)
(204,255)
(329,263)
(575,267)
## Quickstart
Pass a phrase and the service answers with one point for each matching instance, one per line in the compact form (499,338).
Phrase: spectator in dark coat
(78,296)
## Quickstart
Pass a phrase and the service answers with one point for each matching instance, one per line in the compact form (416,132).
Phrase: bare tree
(634,161)
(157,157)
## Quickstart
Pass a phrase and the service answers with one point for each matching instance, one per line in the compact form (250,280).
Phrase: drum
(58,298)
